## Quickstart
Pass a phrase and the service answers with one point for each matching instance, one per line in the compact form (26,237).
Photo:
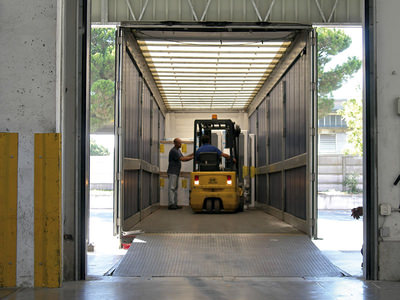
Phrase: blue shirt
(207,148)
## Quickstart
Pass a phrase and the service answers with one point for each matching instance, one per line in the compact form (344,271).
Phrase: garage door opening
(340,152)
(103,247)
(168,78)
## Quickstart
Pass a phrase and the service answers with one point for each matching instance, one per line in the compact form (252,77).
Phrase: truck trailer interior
(263,77)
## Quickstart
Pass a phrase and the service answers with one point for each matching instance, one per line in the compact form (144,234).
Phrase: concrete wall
(333,168)
(388,137)
(181,124)
(27,101)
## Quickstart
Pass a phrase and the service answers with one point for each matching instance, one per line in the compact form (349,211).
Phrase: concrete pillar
(43,89)
(387,45)
(27,101)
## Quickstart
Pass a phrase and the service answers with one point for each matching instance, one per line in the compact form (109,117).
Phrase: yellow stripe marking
(8,208)
(245,171)
(48,210)
(253,172)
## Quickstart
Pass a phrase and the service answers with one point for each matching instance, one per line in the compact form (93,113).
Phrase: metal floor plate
(224,255)
(185,221)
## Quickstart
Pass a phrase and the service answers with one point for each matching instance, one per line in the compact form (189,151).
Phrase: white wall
(181,124)
(28,101)
(388,137)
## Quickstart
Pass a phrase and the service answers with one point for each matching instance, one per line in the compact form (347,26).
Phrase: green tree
(352,112)
(332,42)
(102,77)
(98,150)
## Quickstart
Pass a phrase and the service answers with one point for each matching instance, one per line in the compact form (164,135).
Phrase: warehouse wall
(28,102)
(181,124)
(388,137)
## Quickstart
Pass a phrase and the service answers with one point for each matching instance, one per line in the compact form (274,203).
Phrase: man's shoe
(178,207)
(172,207)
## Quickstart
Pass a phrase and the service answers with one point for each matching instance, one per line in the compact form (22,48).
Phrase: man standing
(174,168)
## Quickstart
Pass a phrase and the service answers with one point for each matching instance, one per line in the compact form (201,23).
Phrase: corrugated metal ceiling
(293,11)
(210,74)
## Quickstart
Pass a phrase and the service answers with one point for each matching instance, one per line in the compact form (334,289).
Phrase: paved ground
(106,247)
(341,239)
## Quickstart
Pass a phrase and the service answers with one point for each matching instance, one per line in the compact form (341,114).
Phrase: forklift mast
(232,132)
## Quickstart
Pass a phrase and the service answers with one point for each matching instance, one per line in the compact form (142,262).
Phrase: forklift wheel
(217,205)
(209,205)
(241,205)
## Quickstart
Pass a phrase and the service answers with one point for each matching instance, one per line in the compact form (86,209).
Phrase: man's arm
(227,156)
(187,157)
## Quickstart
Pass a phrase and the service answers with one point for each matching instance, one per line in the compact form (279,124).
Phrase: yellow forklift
(215,184)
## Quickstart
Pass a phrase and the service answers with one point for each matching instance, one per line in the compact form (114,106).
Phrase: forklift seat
(209,161)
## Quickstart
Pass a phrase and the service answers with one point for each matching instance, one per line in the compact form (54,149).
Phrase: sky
(352,88)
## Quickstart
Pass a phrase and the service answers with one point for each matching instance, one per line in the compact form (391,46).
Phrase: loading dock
(249,244)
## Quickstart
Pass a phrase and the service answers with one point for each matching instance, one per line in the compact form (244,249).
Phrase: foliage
(332,42)
(102,77)
(353,114)
(350,182)
(98,150)
(101,103)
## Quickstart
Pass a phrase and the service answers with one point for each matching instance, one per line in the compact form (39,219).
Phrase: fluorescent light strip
(208,70)
(211,49)
(173,83)
(208,89)
(214,43)
(206,60)
(205,56)
(209,65)
(205,99)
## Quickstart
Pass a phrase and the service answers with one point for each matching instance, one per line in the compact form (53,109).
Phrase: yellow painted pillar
(8,208)
(245,171)
(253,172)
(48,210)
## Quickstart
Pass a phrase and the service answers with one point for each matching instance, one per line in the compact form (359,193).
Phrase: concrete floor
(106,287)
(213,288)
